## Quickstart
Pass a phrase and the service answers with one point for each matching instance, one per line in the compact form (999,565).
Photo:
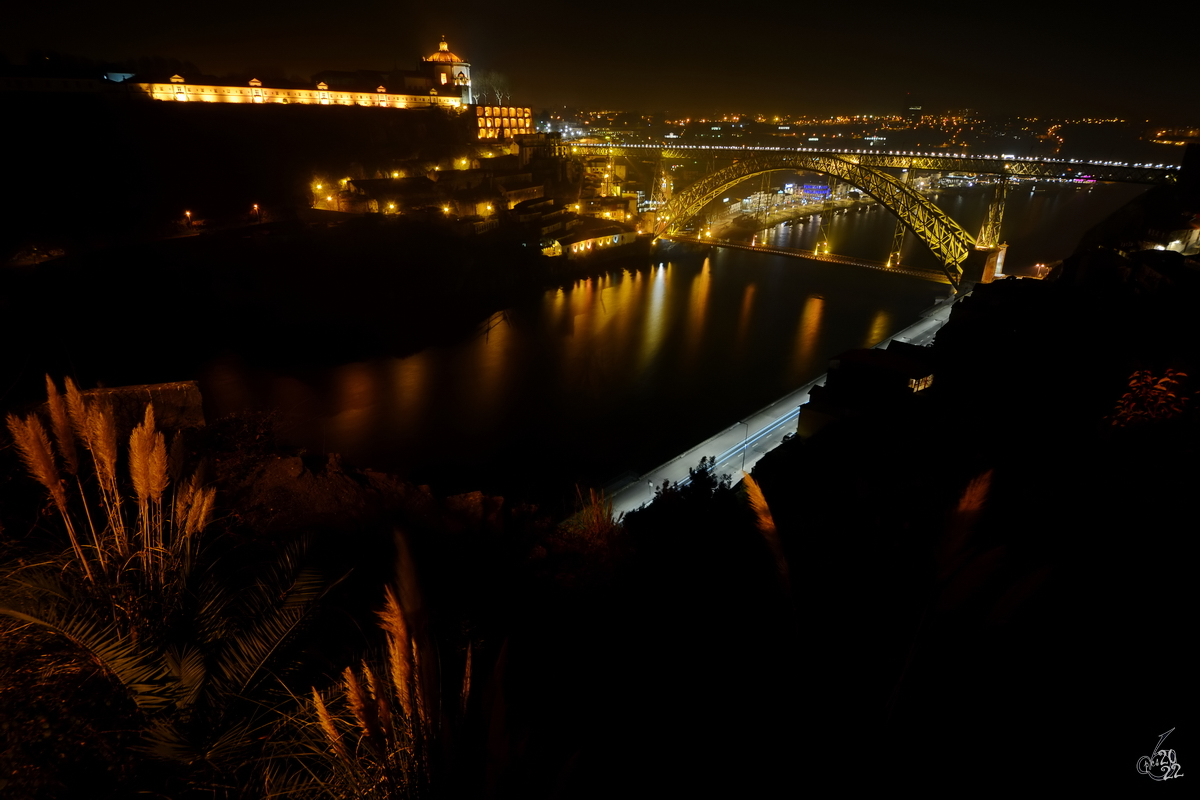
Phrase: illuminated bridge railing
(1038,168)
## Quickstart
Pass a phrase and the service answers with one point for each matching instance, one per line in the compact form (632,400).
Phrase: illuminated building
(448,69)
(503,122)
(180,90)
(441,80)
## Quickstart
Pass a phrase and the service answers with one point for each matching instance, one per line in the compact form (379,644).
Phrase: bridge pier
(983,264)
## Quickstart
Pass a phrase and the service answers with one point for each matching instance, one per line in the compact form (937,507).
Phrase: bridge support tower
(989,234)
(898,236)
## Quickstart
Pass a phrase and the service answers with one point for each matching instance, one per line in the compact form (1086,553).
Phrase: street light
(745,439)
(189,218)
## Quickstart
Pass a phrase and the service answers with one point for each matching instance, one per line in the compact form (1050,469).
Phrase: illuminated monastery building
(442,80)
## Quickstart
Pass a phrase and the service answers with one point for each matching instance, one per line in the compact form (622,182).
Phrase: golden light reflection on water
(697,308)
(881,327)
(655,318)
(559,307)
(620,299)
(410,380)
(356,399)
(808,335)
(493,353)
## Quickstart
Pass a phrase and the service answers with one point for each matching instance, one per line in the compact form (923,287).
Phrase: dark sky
(694,57)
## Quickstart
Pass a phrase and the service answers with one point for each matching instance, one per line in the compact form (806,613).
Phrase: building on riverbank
(441,80)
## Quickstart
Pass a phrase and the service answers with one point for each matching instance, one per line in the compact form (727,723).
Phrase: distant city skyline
(868,58)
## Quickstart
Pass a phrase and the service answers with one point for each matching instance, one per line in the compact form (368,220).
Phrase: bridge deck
(979,163)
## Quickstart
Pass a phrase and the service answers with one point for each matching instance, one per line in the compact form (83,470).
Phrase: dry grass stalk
(76,410)
(326,722)
(976,493)
(63,433)
(33,444)
(158,468)
(363,706)
(141,443)
(766,526)
(378,689)
(422,714)
(398,647)
(101,440)
(466,687)
(953,550)
(62,428)
(185,496)
(200,511)
(149,470)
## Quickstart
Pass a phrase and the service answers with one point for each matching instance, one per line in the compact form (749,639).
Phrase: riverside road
(740,446)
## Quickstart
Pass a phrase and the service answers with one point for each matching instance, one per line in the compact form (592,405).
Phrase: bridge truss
(945,237)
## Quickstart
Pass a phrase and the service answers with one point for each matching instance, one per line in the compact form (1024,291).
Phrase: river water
(615,374)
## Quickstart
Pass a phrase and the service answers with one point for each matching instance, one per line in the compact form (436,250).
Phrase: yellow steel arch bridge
(947,240)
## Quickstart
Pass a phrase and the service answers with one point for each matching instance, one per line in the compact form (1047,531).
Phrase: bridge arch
(947,240)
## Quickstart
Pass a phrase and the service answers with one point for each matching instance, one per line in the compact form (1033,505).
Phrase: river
(614,374)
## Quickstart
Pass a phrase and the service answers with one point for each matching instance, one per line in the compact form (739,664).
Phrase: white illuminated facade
(442,81)
(179,90)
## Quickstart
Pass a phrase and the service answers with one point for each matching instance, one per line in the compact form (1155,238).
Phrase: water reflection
(596,378)
(355,405)
(655,318)
(881,328)
(693,331)
(411,390)
(808,334)
(490,372)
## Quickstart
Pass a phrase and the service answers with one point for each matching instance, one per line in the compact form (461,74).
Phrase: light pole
(745,439)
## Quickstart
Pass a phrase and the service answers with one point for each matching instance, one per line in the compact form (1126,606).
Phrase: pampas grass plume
(141,444)
(77,410)
(326,722)
(766,525)
(102,438)
(398,644)
(158,468)
(34,446)
(62,427)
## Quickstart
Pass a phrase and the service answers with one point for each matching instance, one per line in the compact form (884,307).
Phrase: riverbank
(739,447)
(282,294)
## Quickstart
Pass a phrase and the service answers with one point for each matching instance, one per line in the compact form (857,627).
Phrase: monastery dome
(444,55)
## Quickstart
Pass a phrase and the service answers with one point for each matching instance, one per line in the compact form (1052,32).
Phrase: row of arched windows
(502,111)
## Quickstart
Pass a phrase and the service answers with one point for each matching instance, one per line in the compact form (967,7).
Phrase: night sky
(694,58)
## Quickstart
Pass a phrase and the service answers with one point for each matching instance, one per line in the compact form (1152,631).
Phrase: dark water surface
(618,373)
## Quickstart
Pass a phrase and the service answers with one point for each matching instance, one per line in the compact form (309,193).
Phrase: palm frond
(139,669)
(186,664)
(275,606)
